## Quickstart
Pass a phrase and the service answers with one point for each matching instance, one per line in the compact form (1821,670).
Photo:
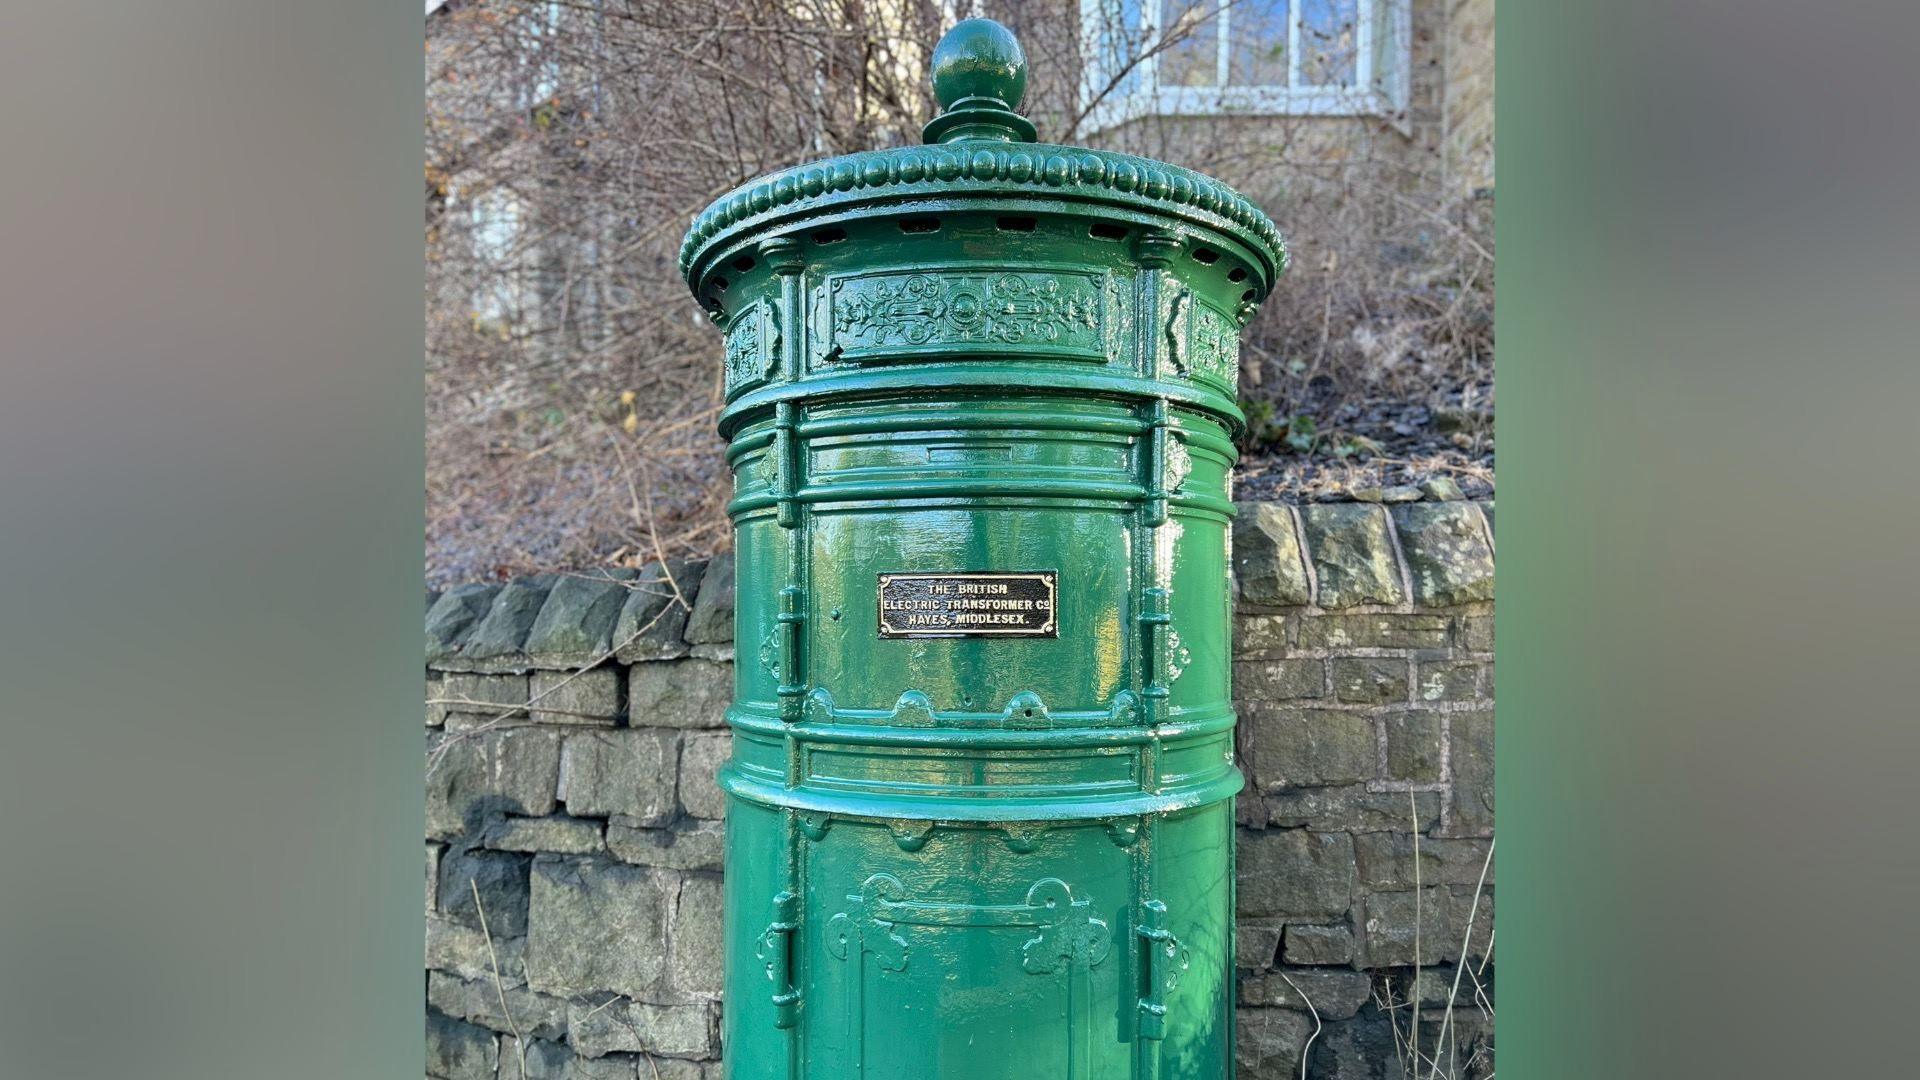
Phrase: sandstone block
(478,1001)
(501,880)
(1364,1048)
(1434,986)
(1447,680)
(1481,914)
(1353,809)
(1386,860)
(497,641)
(1472,759)
(1364,680)
(711,621)
(1279,680)
(635,1027)
(1448,555)
(1353,555)
(653,622)
(470,700)
(1332,993)
(697,945)
(461,950)
(1294,873)
(592,697)
(479,776)
(452,617)
(1384,630)
(1311,944)
(596,926)
(1268,1043)
(1269,569)
(627,771)
(689,845)
(558,833)
(700,759)
(1414,740)
(574,628)
(679,694)
(460,1051)
(1311,747)
(1259,635)
(1389,938)
(553,1061)
(544,1059)
(1256,944)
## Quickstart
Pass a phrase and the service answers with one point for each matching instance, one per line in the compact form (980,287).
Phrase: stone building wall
(1468,119)
(573,851)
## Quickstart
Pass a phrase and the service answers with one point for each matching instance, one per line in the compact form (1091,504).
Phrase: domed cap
(979,77)
(982,149)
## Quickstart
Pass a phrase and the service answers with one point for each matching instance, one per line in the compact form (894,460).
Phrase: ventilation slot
(919,224)
(719,284)
(1015,224)
(1239,274)
(743,264)
(829,236)
(1104,231)
(1205,255)
(1248,295)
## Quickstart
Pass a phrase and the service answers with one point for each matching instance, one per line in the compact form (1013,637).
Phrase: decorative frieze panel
(995,311)
(753,346)
(1202,341)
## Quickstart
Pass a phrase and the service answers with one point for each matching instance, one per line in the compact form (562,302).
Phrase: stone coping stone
(574,628)
(1326,556)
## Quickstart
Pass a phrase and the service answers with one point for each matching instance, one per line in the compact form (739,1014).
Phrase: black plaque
(969,605)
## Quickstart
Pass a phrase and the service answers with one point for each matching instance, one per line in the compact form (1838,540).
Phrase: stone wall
(573,826)
(1468,100)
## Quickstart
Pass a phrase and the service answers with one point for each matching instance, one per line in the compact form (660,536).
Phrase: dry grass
(1401,999)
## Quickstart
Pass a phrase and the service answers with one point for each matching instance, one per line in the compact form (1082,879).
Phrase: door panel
(966,959)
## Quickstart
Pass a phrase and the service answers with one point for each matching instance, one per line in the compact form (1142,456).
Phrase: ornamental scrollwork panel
(1064,931)
(753,346)
(1202,341)
(1215,350)
(997,312)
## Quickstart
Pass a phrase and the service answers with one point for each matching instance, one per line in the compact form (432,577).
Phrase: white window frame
(495,218)
(1375,92)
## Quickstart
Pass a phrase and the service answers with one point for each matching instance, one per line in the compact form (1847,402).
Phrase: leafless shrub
(569,143)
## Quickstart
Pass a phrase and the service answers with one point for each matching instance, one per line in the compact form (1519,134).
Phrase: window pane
(1327,40)
(1118,41)
(496,224)
(1259,46)
(1192,57)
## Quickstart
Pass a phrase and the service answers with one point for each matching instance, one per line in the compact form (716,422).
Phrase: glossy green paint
(981,857)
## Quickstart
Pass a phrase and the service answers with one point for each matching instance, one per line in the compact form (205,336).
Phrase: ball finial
(979,58)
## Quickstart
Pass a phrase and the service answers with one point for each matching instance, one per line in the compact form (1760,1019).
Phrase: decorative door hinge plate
(776,950)
(1167,959)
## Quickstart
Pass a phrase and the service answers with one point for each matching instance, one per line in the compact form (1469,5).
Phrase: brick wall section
(574,828)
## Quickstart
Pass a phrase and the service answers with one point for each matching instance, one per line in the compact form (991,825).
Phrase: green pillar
(980,404)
